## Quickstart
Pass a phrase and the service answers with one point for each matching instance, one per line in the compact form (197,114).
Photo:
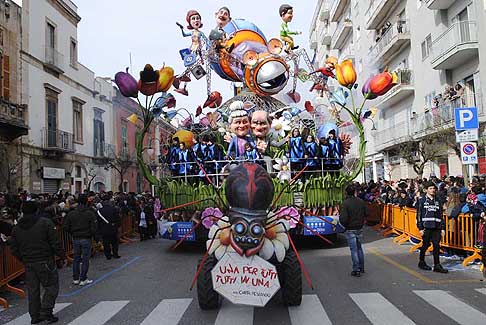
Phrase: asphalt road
(150,285)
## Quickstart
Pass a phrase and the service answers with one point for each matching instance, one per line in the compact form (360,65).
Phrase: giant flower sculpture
(374,87)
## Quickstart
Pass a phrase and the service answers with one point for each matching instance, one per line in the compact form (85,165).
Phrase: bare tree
(90,174)
(120,162)
(10,163)
(418,153)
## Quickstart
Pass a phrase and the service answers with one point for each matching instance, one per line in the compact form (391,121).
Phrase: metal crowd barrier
(460,232)
(11,268)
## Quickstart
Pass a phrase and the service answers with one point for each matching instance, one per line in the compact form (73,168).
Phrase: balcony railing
(442,115)
(385,138)
(377,12)
(57,140)
(104,150)
(402,90)
(343,29)
(12,119)
(337,9)
(54,59)
(455,46)
(439,4)
(391,41)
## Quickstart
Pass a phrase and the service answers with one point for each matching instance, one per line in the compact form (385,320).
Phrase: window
(78,121)
(99,133)
(5,75)
(124,138)
(51,107)
(426,47)
(73,54)
(77,172)
(50,36)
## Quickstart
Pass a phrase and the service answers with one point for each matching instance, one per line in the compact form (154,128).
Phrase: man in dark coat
(108,224)
(81,224)
(35,242)
(353,215)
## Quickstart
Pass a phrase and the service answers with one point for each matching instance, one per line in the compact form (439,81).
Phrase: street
(150,285)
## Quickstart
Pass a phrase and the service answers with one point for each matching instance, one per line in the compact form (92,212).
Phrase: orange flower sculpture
(345,73)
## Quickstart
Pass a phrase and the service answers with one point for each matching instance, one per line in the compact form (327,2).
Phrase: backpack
(476,209)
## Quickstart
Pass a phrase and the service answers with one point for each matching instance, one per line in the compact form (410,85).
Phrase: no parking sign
(469,153)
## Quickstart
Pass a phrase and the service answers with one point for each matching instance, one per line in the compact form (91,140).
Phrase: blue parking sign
(466,118)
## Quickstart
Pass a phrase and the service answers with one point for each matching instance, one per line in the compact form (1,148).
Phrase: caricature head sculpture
(286,12)
(194,20)
(239,119)
(260,124)
(223,17)
(249,192)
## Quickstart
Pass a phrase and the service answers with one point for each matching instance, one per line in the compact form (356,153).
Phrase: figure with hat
(240,126)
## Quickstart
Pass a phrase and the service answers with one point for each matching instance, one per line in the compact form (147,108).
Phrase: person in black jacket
(35,242)
(81,224)
(353,215)
(108,224)
(431,225)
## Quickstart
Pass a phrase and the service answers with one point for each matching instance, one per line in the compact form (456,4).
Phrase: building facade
(435,48)
(128,177)
(71,117)
(13,115)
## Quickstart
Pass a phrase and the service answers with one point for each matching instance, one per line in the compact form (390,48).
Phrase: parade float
(251,173)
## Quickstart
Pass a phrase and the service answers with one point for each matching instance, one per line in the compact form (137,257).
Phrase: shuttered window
(50,185)
(6,77)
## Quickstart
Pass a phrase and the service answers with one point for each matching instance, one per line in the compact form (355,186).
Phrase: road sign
(469,153)
(467,135)
(466,118)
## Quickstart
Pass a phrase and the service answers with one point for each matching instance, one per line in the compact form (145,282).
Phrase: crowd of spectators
(56,206)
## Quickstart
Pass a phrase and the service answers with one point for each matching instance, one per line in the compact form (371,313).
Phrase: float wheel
(207,297)
(290,276)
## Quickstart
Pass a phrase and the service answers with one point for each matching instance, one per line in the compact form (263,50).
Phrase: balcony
(401,91)
(325,36)
(54,60)
(347,54)
(439,4)
(13,122)
(392,42)
(455,46)
(442,116)
(325,11)
(343,30)
(313,40)
(377,12)
(391,136)
(57,141)
(104,151)
(337,9)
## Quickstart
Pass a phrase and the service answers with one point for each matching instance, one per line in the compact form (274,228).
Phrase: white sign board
(467,135)
(53,173)
(245,280)
(469,153)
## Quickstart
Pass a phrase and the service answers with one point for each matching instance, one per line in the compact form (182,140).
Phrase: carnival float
(248,174)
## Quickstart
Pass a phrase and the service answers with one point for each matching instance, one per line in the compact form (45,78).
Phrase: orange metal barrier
(10,269)
(461,232)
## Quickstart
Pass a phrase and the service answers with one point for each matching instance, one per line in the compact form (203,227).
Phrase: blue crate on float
(177,230)
(321,227)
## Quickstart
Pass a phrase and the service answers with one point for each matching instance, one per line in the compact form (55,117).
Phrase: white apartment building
(431,44)
(70,111)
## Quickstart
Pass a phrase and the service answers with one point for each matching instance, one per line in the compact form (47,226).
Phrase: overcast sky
(112,29)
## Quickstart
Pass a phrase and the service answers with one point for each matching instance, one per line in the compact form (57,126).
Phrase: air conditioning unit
(324,15)
(313,40)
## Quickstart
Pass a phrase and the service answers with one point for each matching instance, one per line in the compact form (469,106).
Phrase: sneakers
(75,282)
(116,256)
(356,274)
(423,266)
(439,269)
(85,282)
